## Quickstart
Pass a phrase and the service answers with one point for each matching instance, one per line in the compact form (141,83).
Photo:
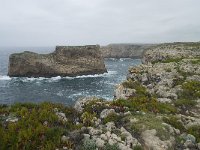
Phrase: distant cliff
(64,61)
(124,50)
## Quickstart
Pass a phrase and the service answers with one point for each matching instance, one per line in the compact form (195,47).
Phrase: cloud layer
(77,22)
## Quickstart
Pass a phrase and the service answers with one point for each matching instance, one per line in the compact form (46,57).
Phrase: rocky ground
(156,108)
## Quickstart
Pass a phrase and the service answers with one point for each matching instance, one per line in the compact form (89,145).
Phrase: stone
(127,113)
(86,136)
(64,61)
(107,112)
(110,126)
(100,143)
(93,131)
(111,142)
(12,119)
(164,100)
(81,102)
(122,92)
(64,139)
(104,137)
(61,116)
(198,145)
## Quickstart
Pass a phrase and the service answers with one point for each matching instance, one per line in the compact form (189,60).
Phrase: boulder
(64,61)
(106,112)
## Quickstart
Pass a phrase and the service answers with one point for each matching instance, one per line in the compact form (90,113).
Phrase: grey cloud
(77,22)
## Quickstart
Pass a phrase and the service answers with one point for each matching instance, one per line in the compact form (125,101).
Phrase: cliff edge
(124,50)
(64,61)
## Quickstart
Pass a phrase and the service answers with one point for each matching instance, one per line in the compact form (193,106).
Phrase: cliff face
(124,50)
(64,61)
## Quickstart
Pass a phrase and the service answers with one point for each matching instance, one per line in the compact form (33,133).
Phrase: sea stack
(64,61)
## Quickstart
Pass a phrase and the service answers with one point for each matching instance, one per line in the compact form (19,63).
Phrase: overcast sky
(80,22)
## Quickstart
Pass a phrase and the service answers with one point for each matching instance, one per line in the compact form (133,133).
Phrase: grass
(173,121)
(148,122)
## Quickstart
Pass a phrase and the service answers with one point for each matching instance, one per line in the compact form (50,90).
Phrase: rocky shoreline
(157,107)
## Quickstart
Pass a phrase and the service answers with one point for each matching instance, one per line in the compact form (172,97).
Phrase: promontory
(64,61)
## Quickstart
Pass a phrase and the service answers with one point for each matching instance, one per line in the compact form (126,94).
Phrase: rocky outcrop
(64,61)
(124,50)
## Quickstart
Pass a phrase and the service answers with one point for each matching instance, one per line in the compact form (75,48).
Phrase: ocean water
(64,90)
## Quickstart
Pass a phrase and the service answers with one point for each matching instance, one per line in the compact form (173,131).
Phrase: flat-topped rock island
(64,61)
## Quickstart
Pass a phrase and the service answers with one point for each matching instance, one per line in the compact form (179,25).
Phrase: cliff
(64,61)
(124,50)
(156,108)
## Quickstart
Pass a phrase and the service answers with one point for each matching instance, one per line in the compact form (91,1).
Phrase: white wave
(5,78)
(55,79)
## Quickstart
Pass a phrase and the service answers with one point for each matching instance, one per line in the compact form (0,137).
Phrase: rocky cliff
(167,83)
(64,61)
(124,50)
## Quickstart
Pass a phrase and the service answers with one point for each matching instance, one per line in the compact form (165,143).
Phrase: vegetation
(148,122)
(142,100)
(195,131)
(173,121)
(189,94)
(38,127)
(168,60)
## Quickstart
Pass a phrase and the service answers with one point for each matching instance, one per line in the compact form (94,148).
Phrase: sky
(82,22)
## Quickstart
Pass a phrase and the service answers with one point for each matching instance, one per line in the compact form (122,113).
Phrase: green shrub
(38,127)
(137,147)
(89,144)
(195,131)
(111,147)
(148,122)
(173,121)
(185,103)
(88,118)
(112,118)
(191,90)
(95,106)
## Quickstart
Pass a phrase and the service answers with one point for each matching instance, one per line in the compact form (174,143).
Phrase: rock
(127,113)
(198,145)
(64,61)
(12,119)
(133,120)
(81,102)
(123,93)
(86,136)
(164,100)
(108,134)
(107,112)
(123,147)
(110,126)
(153,142)
(64,139)
(111,142)
(124,50)
(93,131)
(100,143)
(190,137)
(104,137)
(61,116)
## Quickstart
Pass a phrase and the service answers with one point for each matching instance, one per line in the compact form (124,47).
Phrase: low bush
(195,131)
(173,121)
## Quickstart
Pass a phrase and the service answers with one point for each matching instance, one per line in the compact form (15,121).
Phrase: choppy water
(64,90)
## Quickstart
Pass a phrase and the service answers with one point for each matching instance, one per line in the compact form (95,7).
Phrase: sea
(65,90)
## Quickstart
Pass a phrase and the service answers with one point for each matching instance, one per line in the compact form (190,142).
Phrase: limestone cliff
(64,61)
(124,50)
